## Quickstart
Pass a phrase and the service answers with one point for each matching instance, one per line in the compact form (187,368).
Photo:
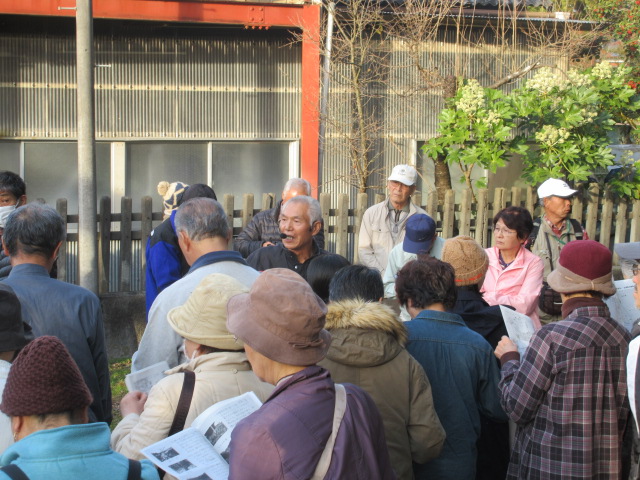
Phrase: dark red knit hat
(44,379)
(584,265)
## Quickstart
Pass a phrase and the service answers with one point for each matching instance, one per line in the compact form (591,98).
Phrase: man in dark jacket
(263,229)
(165,261)
(300,219)
(281,324)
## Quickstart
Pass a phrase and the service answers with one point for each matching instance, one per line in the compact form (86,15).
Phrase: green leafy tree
(566,119)
(476,130)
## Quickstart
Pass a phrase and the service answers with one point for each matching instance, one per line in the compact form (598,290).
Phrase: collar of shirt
(558,231)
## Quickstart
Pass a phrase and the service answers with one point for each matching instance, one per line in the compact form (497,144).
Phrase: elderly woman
(515,274)
(221,369)
(48,402)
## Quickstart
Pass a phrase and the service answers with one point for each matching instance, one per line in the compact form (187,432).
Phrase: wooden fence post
(465,214)
(247,209)
(448,214)
(634,234)
(592,210)
(227,205)
(605,220)
(124,266)
(146,227)
(61,207)
(361,207)
(342,224)
(530,203)
(325,208)
(621,227)
(431,207)
(482,213)
(104,250)
(268,201)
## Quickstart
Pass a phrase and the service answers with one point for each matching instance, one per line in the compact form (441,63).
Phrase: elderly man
(203,235)
(568,393)
(420,238)
(264,231)
(13,193)
(309,427)
(32,237)
(383,224)
(300,219)
(551,232)
(165,262)
(458,361)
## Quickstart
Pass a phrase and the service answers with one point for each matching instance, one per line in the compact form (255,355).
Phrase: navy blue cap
(419,234)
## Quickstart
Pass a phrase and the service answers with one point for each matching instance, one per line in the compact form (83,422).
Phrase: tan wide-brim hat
(202,319)
(281,318)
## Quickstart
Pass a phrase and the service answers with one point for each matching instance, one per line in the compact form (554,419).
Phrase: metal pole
(87,235)
(324,96)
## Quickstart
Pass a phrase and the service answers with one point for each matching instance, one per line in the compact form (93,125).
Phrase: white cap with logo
(555,187)
(404,174)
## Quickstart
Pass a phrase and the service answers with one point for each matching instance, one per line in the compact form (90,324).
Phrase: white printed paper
(201,452)
(144,379)
(622,305)
(632,365)
(519,327)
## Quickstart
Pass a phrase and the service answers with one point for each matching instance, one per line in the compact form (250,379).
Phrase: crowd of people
(397,366)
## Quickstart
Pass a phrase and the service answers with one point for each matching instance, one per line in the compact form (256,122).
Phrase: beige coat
(218,376)
(367,350)
(375,240)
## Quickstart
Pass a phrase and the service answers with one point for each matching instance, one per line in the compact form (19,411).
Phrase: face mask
(5,212)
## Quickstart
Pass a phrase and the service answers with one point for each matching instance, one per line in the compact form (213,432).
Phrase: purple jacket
(285,437)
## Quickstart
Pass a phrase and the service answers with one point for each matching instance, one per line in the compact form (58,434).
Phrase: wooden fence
(122,236)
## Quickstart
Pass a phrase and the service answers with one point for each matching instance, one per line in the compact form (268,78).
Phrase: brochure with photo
(201,451)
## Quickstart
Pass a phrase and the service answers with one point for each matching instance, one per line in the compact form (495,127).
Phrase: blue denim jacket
(464,378)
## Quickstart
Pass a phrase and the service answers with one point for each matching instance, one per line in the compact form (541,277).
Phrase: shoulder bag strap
(546,236)
(183,403)
(14,472)
(135,470)
(533,234)
(338,413)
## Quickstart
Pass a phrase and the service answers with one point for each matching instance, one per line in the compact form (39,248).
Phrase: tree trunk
(442,177)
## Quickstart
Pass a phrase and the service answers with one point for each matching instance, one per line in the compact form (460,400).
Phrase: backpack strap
(183,403)
(338,413)
(577,229)
(14,472)
(135,470)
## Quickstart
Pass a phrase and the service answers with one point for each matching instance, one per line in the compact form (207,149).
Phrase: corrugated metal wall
(407,112)
(152,81)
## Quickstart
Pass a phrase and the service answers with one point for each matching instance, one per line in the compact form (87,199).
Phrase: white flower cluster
(587,115)
(602,71)
(472,97)
(546,80)
(578,79)
(492,118)
(550,135)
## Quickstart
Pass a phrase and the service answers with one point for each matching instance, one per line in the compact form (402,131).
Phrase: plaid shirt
(568,398)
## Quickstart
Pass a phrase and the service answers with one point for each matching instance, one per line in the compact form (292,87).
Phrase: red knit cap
(44,379)
(584,265)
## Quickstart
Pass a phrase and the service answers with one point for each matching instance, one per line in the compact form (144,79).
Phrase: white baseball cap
(404,174)
(555,187)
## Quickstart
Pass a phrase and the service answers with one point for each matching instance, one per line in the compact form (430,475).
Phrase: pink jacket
(517,285)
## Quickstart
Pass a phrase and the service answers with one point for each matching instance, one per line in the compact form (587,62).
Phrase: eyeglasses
(504,231)
(634,269)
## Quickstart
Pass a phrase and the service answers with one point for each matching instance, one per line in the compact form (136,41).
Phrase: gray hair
(34,229)
(201,218)
(298,183)
(315,213)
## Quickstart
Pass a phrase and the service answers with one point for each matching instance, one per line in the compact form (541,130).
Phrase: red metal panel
(256,15)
